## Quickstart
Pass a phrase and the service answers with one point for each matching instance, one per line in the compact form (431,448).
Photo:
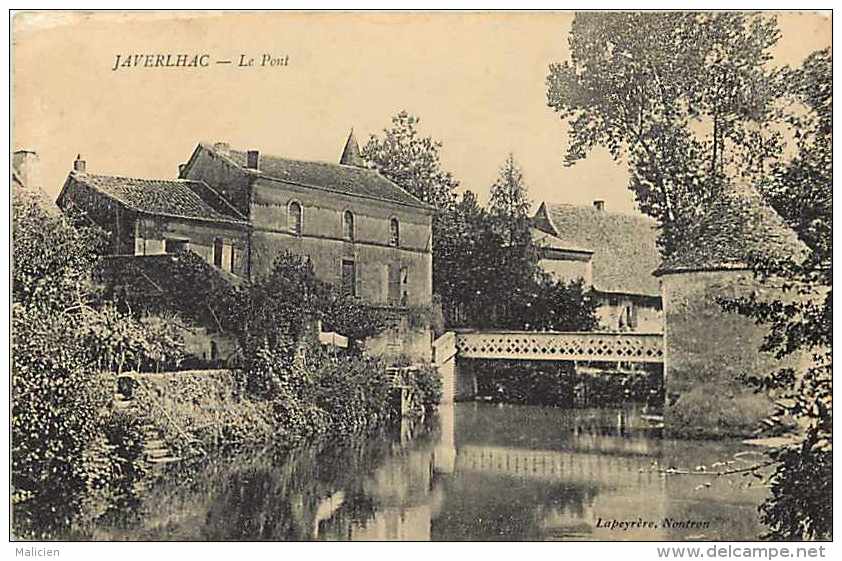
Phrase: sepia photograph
(451,276)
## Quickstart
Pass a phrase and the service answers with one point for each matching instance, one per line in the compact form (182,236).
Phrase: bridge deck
(553,345)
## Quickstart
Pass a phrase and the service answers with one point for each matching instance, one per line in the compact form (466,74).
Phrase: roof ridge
(173,180)
(636,215)
(372,172)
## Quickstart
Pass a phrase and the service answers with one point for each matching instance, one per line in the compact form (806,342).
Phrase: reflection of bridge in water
(555,464)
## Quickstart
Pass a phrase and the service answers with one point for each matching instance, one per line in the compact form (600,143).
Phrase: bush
(56,416)
(202,411)
(714,411)
(427,386)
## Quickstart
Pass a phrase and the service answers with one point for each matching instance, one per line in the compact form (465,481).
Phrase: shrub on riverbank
(198,411)
(322,396)
(716,411)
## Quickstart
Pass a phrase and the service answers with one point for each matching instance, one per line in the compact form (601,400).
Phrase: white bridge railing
(591,346)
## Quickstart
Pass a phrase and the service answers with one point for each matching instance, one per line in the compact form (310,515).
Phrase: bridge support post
(444,359)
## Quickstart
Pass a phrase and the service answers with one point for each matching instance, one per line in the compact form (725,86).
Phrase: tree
(412,161)
(692,104)
(56,399)
(685,99)
(801,189)
(510,203)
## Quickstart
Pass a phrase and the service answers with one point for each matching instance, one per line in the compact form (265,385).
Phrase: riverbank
(198,412)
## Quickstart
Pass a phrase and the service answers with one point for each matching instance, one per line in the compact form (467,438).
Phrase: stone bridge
(601,347)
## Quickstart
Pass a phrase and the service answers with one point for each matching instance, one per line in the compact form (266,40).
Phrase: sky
(476,80)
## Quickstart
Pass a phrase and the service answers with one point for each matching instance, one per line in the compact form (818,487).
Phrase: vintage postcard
(422,276)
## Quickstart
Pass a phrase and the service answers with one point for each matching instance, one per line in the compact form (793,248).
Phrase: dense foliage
(58,399)
(801,189)
(76,318)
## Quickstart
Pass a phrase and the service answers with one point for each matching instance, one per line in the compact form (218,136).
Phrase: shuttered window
(349,278)
(394,284)
(217,252)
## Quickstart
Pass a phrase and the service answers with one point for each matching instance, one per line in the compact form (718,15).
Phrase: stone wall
(222,176)
(708,350)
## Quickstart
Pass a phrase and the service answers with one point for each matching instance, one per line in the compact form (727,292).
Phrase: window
(217,252)
(404,286)
(395,233)
(295,218)
(349,278)
(175,246)
(394,284)
(348,225)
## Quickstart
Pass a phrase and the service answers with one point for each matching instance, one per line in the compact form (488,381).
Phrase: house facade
(362,232)
(614,254)
(241,210)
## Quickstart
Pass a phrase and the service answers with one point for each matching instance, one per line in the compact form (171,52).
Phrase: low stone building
(709,350)
(241,210)
(615,254)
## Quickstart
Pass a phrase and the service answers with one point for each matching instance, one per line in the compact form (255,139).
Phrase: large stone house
(615,254)
(240,210)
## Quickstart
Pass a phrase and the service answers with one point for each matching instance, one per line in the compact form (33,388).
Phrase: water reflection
(477,472)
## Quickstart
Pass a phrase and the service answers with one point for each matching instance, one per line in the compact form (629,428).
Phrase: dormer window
(394,233)
(296,218)
(348,225)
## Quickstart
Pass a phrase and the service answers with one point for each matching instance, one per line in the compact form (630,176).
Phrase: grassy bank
(198,412)
(714,410)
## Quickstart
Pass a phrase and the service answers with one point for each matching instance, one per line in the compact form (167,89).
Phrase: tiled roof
(163,197)
(350,180)
(736,228)
(623,245)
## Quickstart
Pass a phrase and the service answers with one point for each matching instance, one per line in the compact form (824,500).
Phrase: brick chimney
(253,159)
(79,165)
(26,165)
(181,170)
(599,205)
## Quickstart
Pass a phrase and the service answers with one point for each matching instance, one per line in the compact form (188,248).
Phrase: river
(477,471)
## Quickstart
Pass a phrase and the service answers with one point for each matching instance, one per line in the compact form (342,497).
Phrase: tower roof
(351,154)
